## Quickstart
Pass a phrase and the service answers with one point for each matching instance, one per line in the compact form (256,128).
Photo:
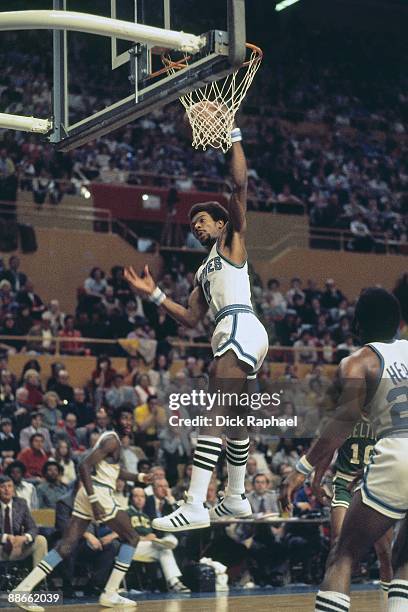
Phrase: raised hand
(143,286)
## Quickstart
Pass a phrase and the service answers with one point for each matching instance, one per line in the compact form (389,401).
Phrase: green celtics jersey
(356,451)
(140,522)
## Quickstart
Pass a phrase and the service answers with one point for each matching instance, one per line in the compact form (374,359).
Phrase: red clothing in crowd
(35,396)
(33,460)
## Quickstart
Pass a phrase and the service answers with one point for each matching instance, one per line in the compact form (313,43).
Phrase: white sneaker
(114,600)
(188,516)
(26,606)
(178,587)
(231,506)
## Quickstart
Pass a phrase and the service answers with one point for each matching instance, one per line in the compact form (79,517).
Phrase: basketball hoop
(211,109)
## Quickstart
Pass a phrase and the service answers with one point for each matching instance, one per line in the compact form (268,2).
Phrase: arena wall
(351,271)
(65,257)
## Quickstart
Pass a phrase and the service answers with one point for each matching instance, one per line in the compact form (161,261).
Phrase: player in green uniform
(351,460)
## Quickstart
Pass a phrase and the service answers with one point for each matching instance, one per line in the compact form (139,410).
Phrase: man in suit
(262,499)
(16,278)
(19,533)
(161,502)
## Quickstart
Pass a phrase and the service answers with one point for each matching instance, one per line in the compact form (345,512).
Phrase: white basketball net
(211,109)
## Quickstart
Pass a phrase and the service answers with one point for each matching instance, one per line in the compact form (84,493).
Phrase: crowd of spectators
(306,324)
(347,170)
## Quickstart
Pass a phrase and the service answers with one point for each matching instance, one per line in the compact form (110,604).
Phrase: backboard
(219,25)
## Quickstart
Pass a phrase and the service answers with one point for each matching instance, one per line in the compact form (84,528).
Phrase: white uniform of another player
(104,485)
(385,484)
(228,293)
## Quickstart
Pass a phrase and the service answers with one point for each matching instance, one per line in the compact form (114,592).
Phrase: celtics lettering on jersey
(223,282)
(356,451)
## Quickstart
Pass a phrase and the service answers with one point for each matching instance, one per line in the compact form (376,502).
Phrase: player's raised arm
(147,288)
(238,203)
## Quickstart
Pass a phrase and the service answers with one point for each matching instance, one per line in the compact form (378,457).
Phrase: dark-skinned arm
(133,477)
(238,203)
(197,306)
(352,378)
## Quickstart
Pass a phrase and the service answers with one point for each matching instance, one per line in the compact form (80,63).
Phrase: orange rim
(183,63)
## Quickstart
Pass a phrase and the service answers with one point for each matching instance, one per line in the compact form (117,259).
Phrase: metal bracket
(236,32)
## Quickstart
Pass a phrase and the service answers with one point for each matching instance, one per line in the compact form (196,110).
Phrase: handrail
(175,342)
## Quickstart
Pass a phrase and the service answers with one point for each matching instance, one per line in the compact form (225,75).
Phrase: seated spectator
(34,457)
(109,302)
(9,445)
(121,494)
(51,413)
(26,297)
(74,347)
(20,537)
(23,489)
(68,432)
(63,456)
(285,453)
(62,387)
(150,547)
(261,499)
(363,240)
(144,388)
(131,371)
(159,376)
(57,317)
(295,289)
(120,285)
(36,426)
(332,296)
(50,491)
(95,285)
(130,455)
(161,502)
(21,410)
(16,279)
(149,418)
(346,348)
(119,393)
(32,383)
(102,376)
(53,379)
(102,424)
(82,409)
(305,348)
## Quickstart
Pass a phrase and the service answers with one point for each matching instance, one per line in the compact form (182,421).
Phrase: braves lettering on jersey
(223,282)
(227,289)
(388,409)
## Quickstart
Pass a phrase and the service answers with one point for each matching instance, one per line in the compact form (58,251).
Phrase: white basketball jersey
(106,473)
(223,282)
(388,409)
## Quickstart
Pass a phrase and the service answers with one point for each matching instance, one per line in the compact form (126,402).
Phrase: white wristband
(304,467)
(92,498)
(158,296)
(236,135)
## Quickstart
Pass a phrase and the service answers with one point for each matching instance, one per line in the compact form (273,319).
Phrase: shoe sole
(121,606)
(184,528)
(230,516)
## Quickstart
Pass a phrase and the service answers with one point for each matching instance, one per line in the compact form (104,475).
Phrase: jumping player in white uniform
(374,384)
(99,472)
(239,344)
